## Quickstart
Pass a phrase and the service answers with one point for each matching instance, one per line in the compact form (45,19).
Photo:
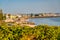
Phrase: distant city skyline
(30,6)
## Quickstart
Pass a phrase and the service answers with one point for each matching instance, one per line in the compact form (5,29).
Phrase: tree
(1,15)
(4,17)
(31,14)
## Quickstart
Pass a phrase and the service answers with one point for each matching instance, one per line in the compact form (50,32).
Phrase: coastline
(45,17)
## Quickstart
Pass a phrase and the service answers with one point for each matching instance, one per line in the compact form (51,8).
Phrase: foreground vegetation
(40,32)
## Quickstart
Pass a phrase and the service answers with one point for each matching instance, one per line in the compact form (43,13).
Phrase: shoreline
(45,17)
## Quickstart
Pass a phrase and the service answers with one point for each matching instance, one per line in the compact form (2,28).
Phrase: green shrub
(40,32)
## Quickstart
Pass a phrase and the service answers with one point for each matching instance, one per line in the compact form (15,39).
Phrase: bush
(40,32)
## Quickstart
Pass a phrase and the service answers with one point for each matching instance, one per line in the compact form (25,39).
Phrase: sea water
(48,21)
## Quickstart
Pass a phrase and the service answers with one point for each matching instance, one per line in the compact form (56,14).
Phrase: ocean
(46,21)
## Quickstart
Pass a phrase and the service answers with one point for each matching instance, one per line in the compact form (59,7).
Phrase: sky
(30,6)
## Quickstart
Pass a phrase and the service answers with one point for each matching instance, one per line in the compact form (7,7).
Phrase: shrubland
(39,32)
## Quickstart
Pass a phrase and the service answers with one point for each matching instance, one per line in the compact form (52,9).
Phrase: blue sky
(30,6)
